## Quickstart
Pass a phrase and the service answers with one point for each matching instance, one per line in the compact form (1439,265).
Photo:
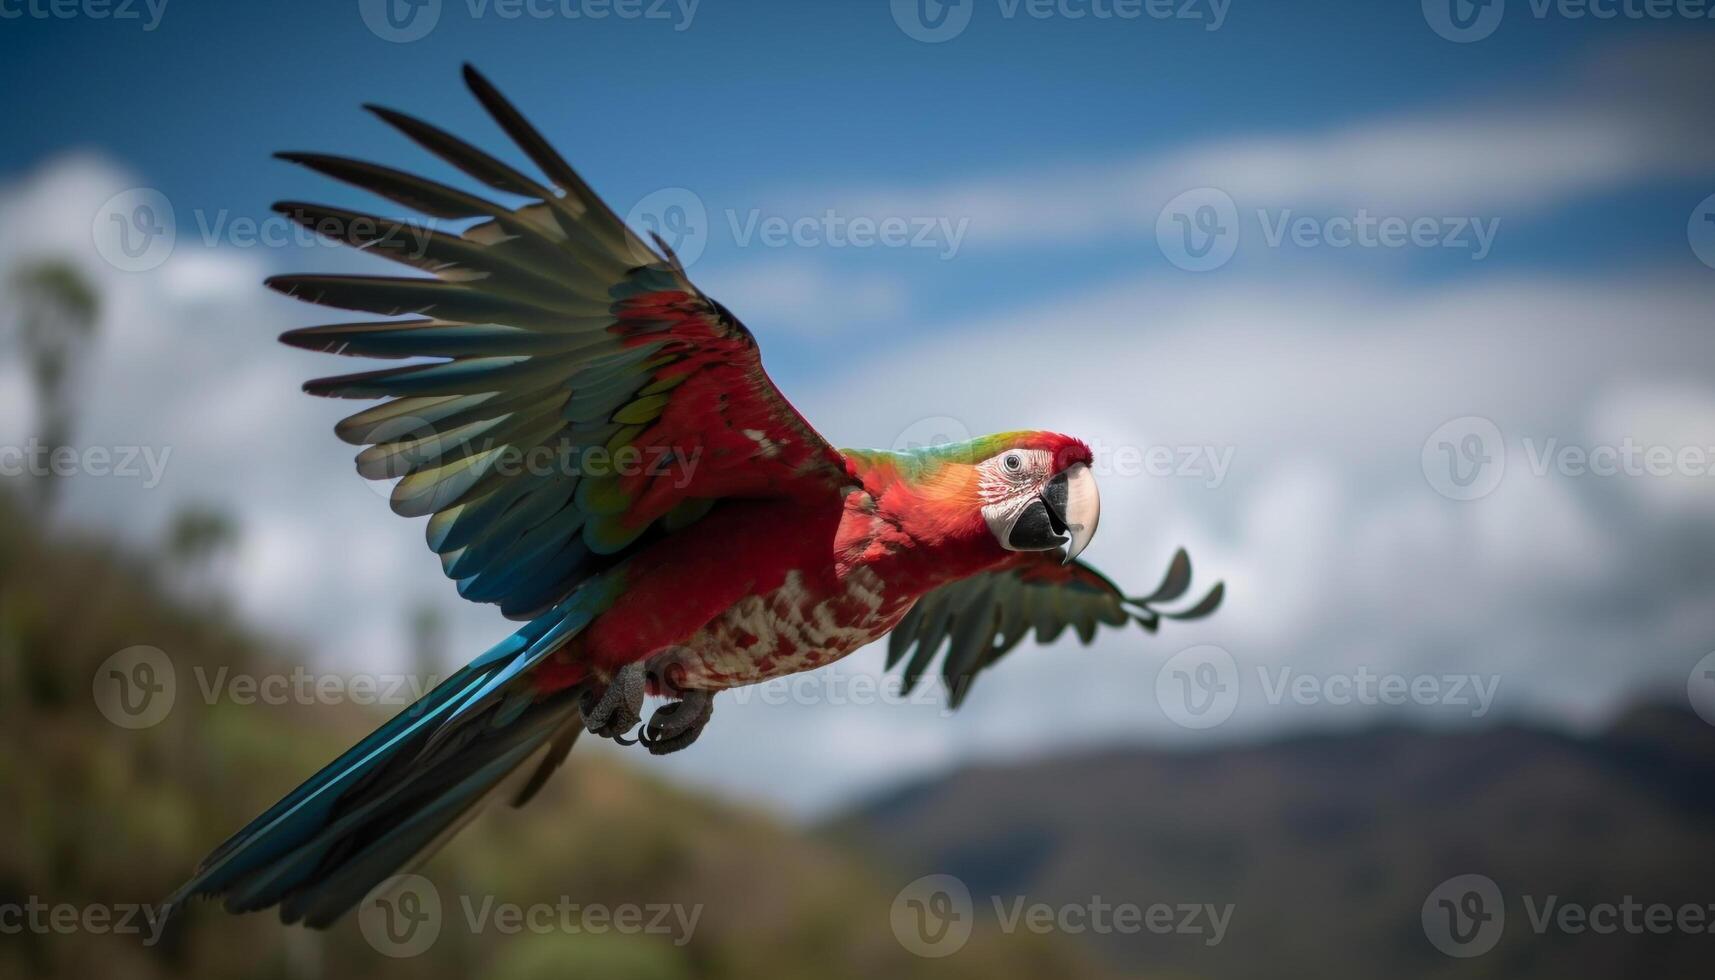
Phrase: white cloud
(187,365)
(1626,119)
(1336,549)
(801,296)
(1677,418)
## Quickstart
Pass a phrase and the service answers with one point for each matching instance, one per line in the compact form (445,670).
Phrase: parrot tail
(396,796)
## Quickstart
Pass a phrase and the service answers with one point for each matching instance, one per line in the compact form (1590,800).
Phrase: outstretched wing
(583,394)
(981,618)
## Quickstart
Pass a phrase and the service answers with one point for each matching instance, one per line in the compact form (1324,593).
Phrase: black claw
(619,707)
(676,725)
(670,745)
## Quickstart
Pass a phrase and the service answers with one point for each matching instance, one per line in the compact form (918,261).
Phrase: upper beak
(1074,507)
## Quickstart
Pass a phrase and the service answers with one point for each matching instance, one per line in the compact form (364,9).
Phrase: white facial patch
(1007,486)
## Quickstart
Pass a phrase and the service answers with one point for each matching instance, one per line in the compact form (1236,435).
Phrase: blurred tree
(428,633)
(197,539)
(56,315)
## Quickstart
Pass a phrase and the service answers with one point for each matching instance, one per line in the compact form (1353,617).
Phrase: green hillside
(99,817)
(1327,847)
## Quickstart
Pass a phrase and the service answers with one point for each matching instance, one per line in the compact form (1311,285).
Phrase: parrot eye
(1013,463)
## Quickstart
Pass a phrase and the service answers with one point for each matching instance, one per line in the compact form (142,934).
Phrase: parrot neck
(917,538)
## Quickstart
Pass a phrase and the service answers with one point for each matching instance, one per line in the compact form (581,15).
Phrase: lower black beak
(1037,529)
(1063,515)
(1054,496)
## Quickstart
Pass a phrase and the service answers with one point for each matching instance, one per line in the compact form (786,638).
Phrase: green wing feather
(982,618)
(583,398)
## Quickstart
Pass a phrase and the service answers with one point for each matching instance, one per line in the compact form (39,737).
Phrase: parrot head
(1022,491)
(1038,493)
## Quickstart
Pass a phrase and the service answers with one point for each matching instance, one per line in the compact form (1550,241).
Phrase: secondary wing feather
(584,396)
(982,618)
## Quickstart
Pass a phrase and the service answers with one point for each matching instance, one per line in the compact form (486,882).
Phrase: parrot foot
(620,706)
(677,724)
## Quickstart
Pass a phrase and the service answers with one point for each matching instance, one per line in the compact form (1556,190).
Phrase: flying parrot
(599,452)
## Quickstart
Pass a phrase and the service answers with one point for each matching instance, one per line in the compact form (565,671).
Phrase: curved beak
(1074,507)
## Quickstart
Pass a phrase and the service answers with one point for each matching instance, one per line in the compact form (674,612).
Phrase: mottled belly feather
(791,629)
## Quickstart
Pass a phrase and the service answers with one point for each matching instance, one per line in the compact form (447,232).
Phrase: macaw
(600,453)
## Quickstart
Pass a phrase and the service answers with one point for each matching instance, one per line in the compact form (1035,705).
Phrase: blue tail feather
(401,789)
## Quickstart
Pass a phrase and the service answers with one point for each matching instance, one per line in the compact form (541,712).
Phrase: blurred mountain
(1327,847)
(100,818)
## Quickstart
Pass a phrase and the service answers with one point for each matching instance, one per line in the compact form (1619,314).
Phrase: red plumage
(747,548)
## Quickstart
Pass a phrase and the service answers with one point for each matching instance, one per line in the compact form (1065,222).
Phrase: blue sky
(1059,152)
(753,97)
